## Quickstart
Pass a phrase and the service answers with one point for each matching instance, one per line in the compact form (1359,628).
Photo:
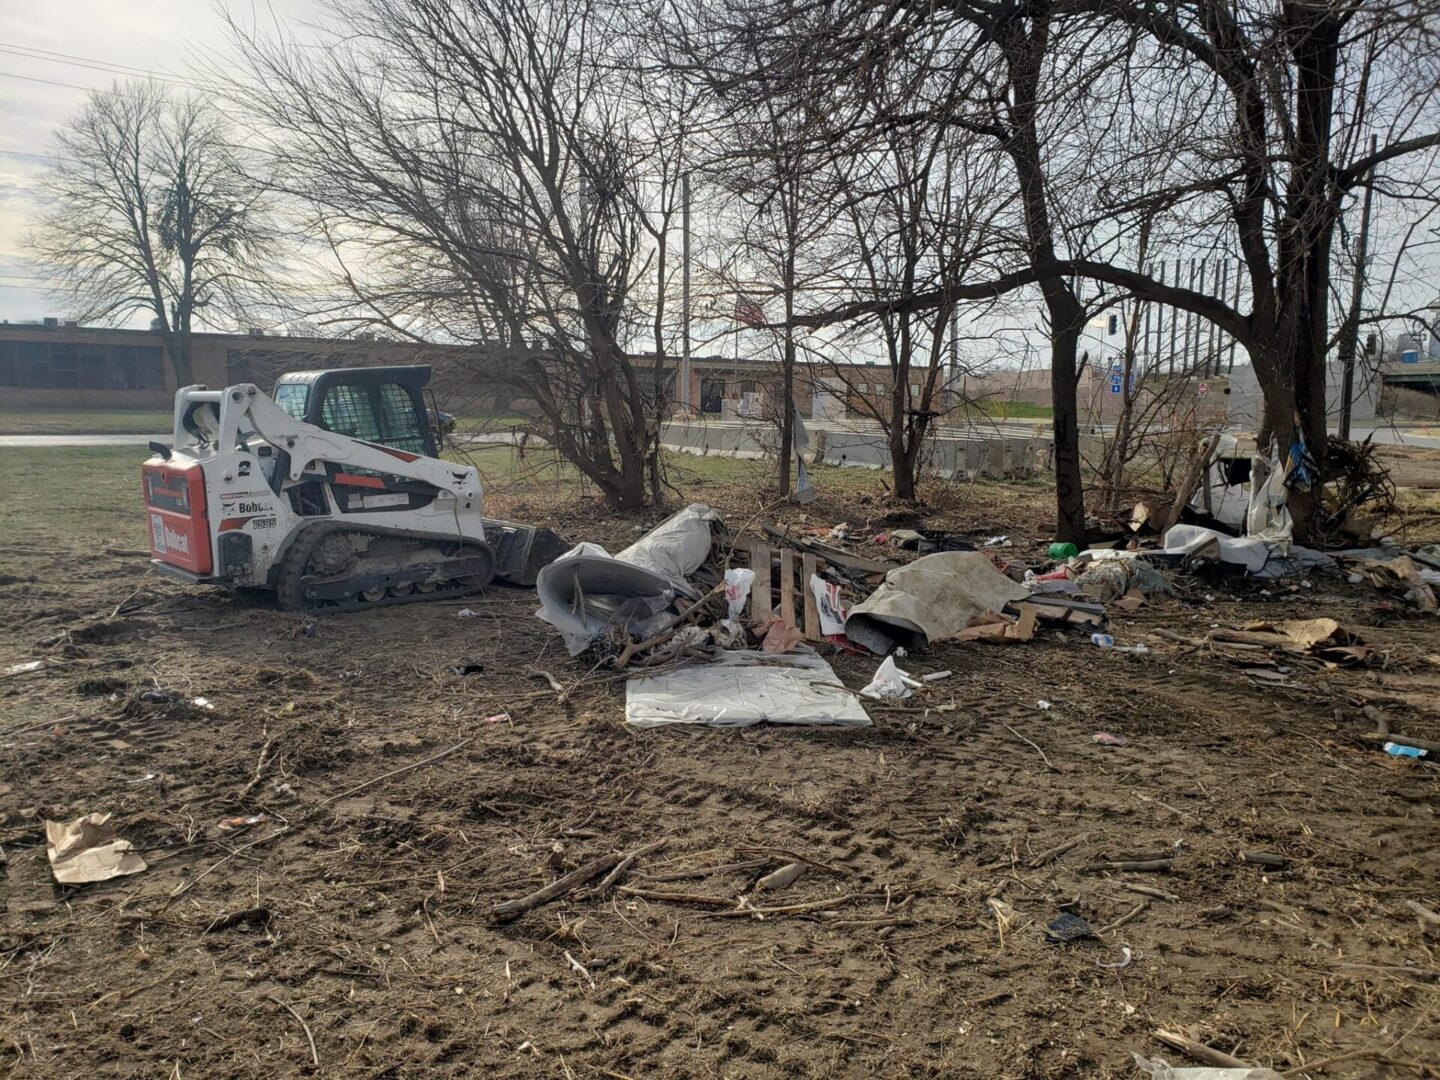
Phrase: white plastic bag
(737,588)
(889,682)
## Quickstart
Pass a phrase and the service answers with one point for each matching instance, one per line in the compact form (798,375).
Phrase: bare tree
(477,175)
(150,209)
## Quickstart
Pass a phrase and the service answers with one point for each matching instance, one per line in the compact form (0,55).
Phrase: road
(1425,435)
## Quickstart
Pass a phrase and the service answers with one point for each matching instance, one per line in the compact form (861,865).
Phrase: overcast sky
(51,53)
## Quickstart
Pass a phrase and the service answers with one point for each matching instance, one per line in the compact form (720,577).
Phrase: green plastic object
(1063,551)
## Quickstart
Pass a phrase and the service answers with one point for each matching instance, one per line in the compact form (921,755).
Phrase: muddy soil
(348,933)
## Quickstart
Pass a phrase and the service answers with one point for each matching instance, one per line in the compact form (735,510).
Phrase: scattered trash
(1400,575)
(1158,1070)
(776,637)
(889,682)
(161,696)
(1104,738)
(996,541)
(313,629)
(25,667)
(1059,551)
(468,669)
(1399,750)
(1043,705)
(828,605)
(1107,641)
(935,676)
(994,626)
(87,850)
(497,718)
(745,687)
(467,613)
(1067,927)
(233,824)
(1123,962)
(737,589)
(143,779)
(202,703)
(931,599)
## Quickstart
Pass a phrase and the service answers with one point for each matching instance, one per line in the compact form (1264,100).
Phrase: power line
(52,82)
(85,59)
(96,66)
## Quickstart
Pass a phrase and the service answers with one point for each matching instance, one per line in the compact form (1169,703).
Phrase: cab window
(292,398)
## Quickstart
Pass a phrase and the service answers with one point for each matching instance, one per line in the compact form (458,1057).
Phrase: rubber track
(289,578)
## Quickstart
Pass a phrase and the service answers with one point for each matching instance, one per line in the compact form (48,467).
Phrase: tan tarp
(929,600)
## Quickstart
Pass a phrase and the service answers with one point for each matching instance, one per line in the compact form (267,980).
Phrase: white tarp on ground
(745,687)
(929,600)
(587,590)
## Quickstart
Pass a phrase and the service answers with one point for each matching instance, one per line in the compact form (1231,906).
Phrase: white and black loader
(333,494)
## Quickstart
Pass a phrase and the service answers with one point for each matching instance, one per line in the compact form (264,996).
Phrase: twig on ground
(310,1038)
(608,882)
(1132,913)
(1037,749)
(1199,1051)
(259,767)
(555,685)
(785,909)
(396,772)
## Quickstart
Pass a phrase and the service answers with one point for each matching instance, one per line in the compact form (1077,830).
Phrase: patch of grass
(1014,410)
(82,420)
(83,496)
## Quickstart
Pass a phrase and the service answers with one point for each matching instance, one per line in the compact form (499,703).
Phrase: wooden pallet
(762,589)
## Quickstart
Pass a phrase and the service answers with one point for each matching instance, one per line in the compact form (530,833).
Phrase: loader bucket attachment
(522,550)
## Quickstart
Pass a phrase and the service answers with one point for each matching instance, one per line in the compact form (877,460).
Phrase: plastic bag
(827,601)
(737,588)
(889,682)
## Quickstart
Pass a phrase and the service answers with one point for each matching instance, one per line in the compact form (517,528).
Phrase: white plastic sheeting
(745,687)
(587,590)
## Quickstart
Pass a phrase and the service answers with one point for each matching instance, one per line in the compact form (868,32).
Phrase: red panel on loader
(175,505)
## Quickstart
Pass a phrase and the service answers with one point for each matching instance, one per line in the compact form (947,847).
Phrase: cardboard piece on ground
(87,849)
(1131,601)
(1324,639)
(990,626)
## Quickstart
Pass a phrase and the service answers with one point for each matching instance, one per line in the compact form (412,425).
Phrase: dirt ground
(348,934)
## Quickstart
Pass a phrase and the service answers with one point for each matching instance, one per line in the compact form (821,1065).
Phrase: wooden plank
(812,613)
(760,587)
(787,586)
(830,554)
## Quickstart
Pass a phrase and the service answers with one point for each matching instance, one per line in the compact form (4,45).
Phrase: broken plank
(833,555)
(760,587)
(787,587)
(812,613)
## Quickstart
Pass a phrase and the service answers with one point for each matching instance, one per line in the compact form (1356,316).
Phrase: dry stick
(259,767)
(684,875)
(1037,749)
(127,599)
(554,683)
(1199,1051)
(1136,910)
(1051,854)
(1426,915)
(1322,1063)
(1157,865)
(314,1057)
(814,905)
(187,886)
(1264,858)
(1146,890)
(557,888)
(624,864)
(676,897)
(396,772)
(690,613)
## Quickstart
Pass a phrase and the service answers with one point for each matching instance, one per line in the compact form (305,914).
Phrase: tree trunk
(902,465)
(1069,480)
(787,407)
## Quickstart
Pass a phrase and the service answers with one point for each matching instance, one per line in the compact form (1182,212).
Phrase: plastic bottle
(1063,551)
(1105,641)
(1400,750)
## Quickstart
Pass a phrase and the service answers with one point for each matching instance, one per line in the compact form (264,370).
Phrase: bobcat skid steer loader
(332,494)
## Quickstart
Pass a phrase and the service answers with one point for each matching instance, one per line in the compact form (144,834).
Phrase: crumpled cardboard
(87,850)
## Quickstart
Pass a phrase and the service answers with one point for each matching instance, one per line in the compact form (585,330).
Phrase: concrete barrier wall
(953,456)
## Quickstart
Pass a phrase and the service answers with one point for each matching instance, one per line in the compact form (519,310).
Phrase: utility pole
(685,396)
(1349,341)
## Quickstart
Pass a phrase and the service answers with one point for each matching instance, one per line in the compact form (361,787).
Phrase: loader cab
(381,405)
